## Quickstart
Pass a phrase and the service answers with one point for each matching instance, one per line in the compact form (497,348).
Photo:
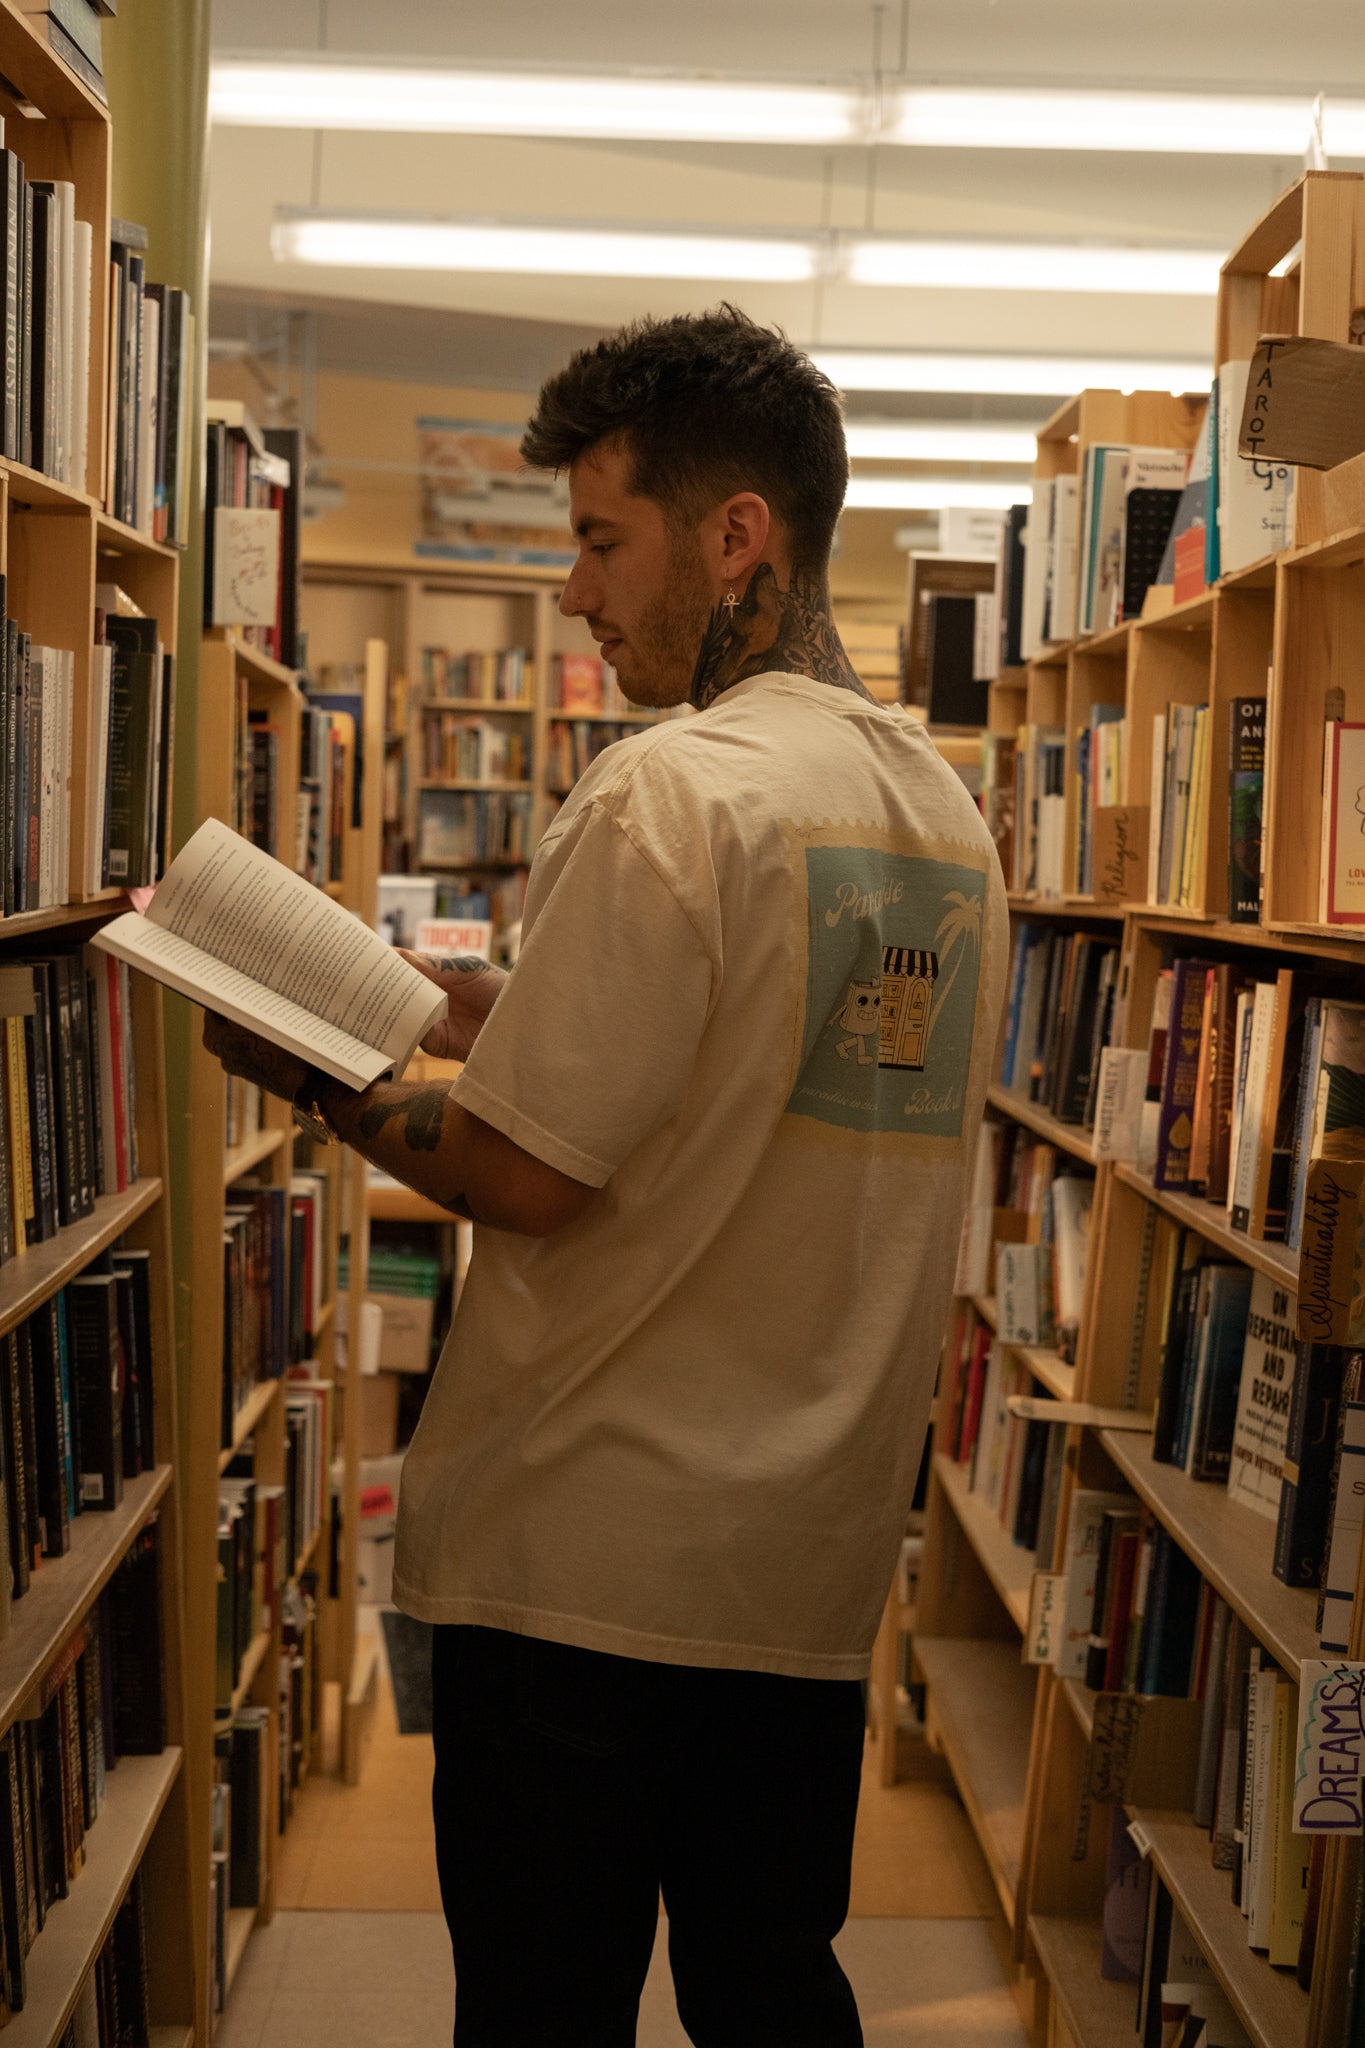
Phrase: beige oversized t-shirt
(758,991)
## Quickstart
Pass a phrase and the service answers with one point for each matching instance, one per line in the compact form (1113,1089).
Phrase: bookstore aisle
(920,1947)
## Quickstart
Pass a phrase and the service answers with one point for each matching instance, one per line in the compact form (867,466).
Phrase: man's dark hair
(705,405)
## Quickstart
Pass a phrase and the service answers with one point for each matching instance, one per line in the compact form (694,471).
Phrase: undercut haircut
(705,405)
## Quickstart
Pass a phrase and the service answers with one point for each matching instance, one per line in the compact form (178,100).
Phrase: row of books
(113,2007)
(325,739)
(253,514)
(101,1700)
(37,691)
(1178,821)
(472,750)
(133,729)
(1039,759)
(1011,1465)
(244,1110)
(1099,772)
(574,746)
(276,1282)
(253,1566)
(493,675)
(77,1414)
(495,902)
(68,1125)
(458,829)
(1093,544)
(72,29)
(1058,1019)
(151,383)
(1025,1235)
(47,279)
(1252,1085)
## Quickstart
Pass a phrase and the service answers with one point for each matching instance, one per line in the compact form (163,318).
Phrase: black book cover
(132,739)
(7,1193)
(13,744)
(245,1774)
(13,1876)
(1310,1447)
(26,330)
(136,1265)
(1171,1384)
(160,849)
(28,1423)
(82,1027)
(102,1169)
(73,56)
(49,1427)
(136,1676)
(44,316)
(11,313)
(63,1064)
(132,478)
(16,804)
(1031,1484)
(288,442)
(1097,1649)
(33,1840)
(92,1308)
(16,1491)
(133,1460)
(957,696)
(34,714)
(1073,1075)
(169,299)
(130,1968)
(215,493)
(53,1847)
(42,1114)
(1149,515)
(1246,788)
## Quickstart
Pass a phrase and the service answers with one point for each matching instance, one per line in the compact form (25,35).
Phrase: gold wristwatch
(309,1114)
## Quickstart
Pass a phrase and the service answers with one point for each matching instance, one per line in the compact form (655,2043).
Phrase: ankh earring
(730,600)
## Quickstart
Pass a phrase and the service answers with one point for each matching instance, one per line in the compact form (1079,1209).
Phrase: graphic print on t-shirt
(893,957)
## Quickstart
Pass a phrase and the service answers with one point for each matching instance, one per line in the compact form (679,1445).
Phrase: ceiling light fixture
(294,92)
(306,91)
(1032,266)
(891,441)
(1022,376)
(354,241)
(932,494)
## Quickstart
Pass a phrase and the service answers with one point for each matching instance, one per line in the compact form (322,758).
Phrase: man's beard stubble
(667,638)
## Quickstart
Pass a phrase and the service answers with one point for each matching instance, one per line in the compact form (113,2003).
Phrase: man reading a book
(714,1131)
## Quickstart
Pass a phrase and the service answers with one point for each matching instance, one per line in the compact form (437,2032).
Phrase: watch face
(314,1125)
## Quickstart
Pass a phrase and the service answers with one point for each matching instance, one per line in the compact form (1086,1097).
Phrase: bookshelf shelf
(404,1205)
(310,1550)
(984,1305)
(1328,942)
(170,2037)
(65,1588)
(1097,2014)
(78,1925)
(981,1707)
(1008,1567)
(115,538)
(1268,2002)
(1210,1219)
(29,923)
(241,1921)
(27,1282)
(1231,1546)
(253,1658)
(252,661)
(251,1153)
(1081,1701)
(482,788)
(1070,1138)
(1050,1370)
(1082,907)
(256,1405)
(503,707)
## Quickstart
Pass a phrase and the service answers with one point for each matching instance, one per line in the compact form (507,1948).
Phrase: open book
(239,932)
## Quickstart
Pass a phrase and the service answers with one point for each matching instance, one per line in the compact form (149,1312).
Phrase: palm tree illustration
(959,934)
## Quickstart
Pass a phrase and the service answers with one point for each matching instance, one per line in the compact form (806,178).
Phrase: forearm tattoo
(770,628)
(423,1114)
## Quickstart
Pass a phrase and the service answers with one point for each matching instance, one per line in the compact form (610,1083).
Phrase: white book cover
(1342,880)
(246,565)
(1118,1108)
(1158,790)
(1263,1398)
(1106,539)
(1084,1523)
(1061,613)
(97,743)
(66,663)
(1262,1809)
(1255,499)
(1339,1583)
(1071,1202)
(80,353)
(1253,1093)
(43,682)
(1036,531)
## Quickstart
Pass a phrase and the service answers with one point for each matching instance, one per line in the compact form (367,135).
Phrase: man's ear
(746,525)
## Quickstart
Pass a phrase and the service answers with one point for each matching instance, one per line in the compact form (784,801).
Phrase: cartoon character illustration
(861,1017)
(908,977)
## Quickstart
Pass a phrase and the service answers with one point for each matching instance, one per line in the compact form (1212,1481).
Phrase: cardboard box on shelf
(405,1340)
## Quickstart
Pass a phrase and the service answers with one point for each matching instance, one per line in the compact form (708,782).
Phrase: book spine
(1309,1453)
(1246,786)
(16,1473)
(1175,1128)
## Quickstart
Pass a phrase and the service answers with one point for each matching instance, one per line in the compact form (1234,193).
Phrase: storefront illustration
(908,977)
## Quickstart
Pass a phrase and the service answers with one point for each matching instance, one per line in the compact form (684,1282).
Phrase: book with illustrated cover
(1341,879)
(1246,784)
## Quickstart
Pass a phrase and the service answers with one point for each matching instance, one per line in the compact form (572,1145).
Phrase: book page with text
(251,913)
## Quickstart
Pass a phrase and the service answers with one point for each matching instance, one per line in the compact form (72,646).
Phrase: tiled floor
(358,1951)
(320,1980)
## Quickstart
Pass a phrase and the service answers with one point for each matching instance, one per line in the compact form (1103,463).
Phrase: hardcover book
(1341,886)
(1246,784)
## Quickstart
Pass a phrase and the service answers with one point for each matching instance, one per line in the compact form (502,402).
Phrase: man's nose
(574,598)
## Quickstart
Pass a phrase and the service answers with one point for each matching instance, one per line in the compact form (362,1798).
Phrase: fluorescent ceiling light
(872,441)
(395,244)
(1036,267)
(932,494)
(858,369)
(306,91)
(948,117)
(294,92)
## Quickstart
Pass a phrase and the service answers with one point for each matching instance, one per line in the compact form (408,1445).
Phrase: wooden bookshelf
(1070,1138)
(1294,619)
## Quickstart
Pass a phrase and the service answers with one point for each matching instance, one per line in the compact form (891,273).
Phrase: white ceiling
(1197,44)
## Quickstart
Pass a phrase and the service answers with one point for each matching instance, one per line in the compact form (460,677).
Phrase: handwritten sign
(454,935)
(1331,1310)
(1118,1108)
(1305,402)
(1046,1595)
(1330,1750)
(246,566)
(1121,834)
(1143,1748)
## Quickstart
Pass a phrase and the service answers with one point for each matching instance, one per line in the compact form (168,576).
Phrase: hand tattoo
(459,963)
(774,629)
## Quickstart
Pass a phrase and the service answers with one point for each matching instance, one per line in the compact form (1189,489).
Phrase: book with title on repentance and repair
(233,928)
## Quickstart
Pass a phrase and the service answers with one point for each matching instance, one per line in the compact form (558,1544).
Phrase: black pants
(572,1786)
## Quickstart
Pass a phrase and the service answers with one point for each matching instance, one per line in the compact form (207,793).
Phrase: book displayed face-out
(239,932)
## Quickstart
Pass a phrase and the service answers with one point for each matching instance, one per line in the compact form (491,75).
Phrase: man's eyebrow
(589,524)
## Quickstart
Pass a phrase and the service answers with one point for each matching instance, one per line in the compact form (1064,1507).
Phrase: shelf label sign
(1331,1748)
(1047,1597)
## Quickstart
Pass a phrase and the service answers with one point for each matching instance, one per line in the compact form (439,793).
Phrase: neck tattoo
(768,628)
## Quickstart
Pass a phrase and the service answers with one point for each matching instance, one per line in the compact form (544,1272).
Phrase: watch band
(309,1114)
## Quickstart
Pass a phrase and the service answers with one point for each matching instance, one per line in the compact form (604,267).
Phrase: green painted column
(156,56)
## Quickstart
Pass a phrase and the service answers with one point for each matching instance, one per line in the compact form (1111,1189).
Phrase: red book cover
(1189,564)
(976,1380)
(1120,1618)
(580,682)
